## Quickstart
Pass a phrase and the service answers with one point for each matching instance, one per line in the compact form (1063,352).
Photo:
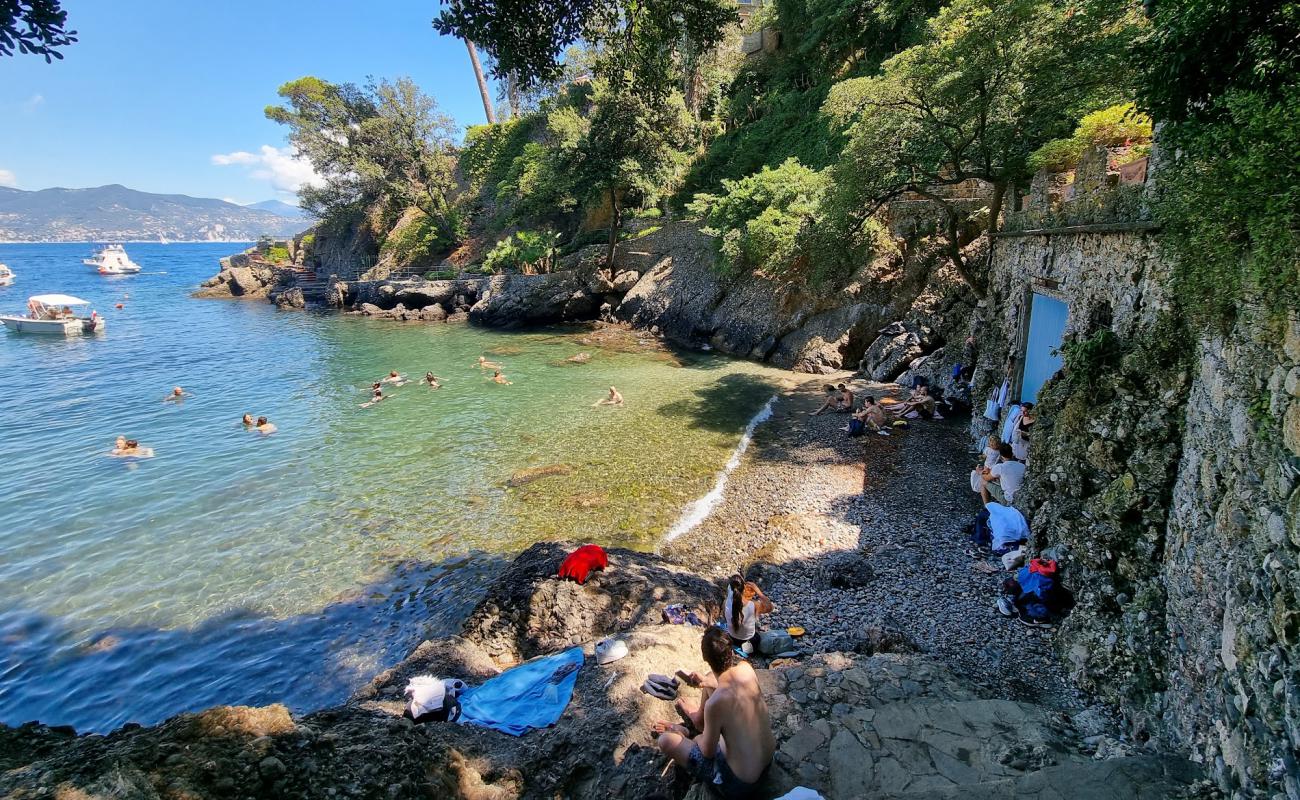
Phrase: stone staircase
(900,728)
(313,286)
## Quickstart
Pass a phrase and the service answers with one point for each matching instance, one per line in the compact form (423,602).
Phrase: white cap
(610,650)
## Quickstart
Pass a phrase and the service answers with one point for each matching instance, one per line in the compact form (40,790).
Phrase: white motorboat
(53,313)
(6,275)
(112,260)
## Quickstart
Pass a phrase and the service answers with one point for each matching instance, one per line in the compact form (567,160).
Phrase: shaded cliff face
(1162,473)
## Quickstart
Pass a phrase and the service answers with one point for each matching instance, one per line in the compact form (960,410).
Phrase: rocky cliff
(1164,476)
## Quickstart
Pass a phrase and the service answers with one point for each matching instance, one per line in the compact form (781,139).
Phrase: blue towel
(525,697)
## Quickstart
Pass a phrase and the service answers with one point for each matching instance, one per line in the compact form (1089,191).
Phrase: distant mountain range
(116,213)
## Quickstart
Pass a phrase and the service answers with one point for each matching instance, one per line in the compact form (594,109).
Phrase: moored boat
(112,260)
(53,314)
(6,275)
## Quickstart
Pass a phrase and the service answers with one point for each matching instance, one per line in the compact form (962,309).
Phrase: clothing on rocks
(801,793)
(610,650)
(431,699)
(1013,558)
(579,564)
(660,686)
(1009,425)
(1010,475)
(1037,597)
(531,695)
(1001,528)
(678,614)
(1043,566)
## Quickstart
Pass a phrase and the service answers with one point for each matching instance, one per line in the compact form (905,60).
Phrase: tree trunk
(512,94)
(995,205)
(613,230)
(482,82)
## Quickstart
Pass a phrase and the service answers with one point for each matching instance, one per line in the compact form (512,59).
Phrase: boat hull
(55,327)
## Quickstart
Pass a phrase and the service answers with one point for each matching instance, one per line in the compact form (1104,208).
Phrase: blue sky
(155,89)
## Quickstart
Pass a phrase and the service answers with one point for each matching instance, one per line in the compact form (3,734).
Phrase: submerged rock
(524,477)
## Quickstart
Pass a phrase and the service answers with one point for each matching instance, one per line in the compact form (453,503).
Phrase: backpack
(855,427)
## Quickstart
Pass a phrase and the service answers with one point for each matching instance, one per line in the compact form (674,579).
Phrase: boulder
(370,310)
(624,281)
(243,282)
(434,313)
(290,298)
(427,294)
(528,611)
(896,345)
(513,300)
(931,367)
(336,294)
(828,341)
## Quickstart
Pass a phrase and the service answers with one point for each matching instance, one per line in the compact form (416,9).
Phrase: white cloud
(280,166)
(8,178)
(32,103)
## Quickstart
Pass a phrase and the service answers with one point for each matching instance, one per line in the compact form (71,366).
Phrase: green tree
(634,145)
(992,81)
(527,38)
(382,142)
(34,27)
(1223,78)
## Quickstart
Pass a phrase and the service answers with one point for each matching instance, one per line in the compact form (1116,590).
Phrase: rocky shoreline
(872,706)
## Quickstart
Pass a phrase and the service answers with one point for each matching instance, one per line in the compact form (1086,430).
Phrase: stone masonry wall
(1164,474)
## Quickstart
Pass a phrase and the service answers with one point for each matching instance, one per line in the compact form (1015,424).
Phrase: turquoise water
(239,568)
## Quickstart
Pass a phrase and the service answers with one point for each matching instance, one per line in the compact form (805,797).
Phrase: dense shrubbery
(418,241)
(525,251)
(1110,127)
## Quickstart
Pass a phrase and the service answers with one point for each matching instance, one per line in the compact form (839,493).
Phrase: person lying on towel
(735,744)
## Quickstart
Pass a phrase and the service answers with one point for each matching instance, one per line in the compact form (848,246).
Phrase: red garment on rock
(1043,566)
(580,563)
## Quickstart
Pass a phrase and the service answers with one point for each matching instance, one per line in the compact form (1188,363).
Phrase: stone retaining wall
(1166,480)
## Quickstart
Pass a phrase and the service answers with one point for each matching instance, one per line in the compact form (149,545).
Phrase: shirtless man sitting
(872,415)
(736,744)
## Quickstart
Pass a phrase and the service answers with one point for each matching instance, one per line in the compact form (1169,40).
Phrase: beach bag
(431,699)
(976,481)
(772,642)
(855,427)
(991,409)
(1013,559)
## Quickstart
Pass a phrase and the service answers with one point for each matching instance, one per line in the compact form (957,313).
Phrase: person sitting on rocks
(1003,479)
(873,415)
(431,380)
(742,616)
(1020,433)
(832,401)
(614,399)
(846,398)
(999,528)
(483,363)
(735,745)
(497,377)
(919,401)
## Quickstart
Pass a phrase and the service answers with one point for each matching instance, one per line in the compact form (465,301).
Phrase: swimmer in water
(497,377)
(394,378)
(177,395)
(375,398)
(247,421)
(431,380)
(264,426)
(130,448)
(614,399)
(483,363)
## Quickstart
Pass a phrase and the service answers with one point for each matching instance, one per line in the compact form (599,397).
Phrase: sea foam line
(699,510)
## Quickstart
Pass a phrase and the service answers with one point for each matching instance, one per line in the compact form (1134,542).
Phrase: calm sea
(238,568)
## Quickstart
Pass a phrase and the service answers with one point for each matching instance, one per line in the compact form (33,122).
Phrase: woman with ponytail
(744,603)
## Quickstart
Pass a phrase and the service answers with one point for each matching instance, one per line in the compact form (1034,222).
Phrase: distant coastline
(128,241)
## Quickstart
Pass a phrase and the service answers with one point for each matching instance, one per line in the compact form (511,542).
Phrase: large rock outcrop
(242,277)
(509,301)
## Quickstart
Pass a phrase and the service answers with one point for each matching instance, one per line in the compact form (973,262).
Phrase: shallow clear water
(238,568)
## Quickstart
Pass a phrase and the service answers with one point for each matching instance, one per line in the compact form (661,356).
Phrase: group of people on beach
(878,416)
(124,447)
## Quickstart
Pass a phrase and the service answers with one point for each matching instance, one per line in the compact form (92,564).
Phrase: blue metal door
(1046,327)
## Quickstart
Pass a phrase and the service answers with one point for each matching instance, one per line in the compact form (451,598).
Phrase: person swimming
(247,421)
(483,363)
(374,398)
(614,399)
(394,378)
(497,377)
(264,426)
(130,448)
(177,395)
(431,380)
